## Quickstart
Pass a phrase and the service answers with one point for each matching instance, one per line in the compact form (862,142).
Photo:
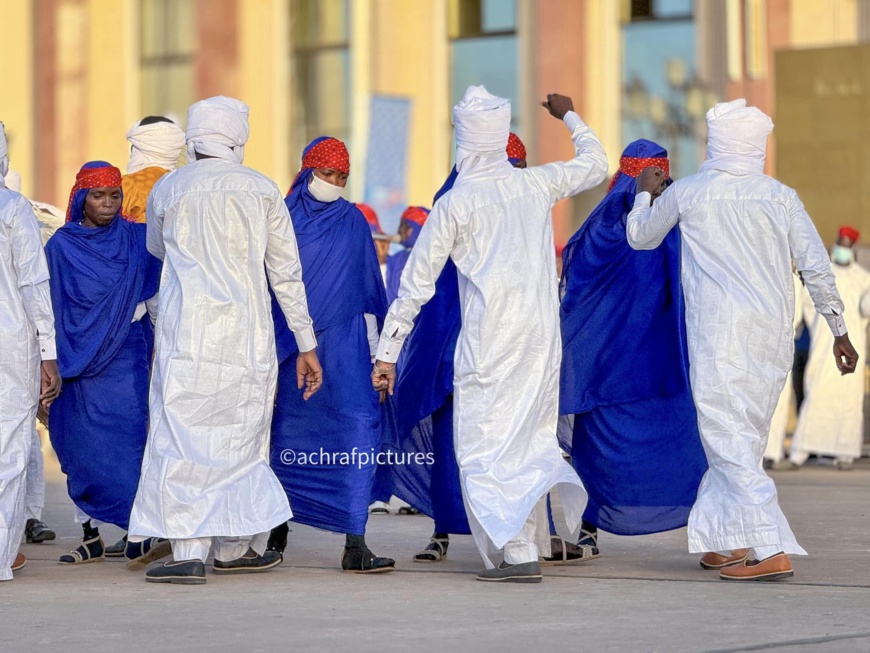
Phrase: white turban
(483,124)
(4,153)
(156,145)
(736,138)
(217,127)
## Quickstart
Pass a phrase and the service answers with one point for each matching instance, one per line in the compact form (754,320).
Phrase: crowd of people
(215,359)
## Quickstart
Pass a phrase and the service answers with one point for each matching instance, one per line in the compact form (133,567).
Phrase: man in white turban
(27,334)
(495,226)
(740,230)
(225,236)
(155,145)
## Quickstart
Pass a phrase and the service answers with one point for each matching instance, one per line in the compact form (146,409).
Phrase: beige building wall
(16,100)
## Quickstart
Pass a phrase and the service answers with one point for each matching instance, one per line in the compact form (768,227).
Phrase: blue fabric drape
(625,371)
(342,282)
(98,425)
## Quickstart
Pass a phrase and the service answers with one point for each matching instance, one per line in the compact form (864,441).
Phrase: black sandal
(92,550)
(435,551)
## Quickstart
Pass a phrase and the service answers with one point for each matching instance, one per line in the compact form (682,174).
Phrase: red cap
(849,232)
(416,214)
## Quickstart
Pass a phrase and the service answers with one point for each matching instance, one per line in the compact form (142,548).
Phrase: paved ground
(644,594)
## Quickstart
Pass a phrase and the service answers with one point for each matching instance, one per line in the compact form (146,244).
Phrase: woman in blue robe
(625,369)
(336,435)
(101,275)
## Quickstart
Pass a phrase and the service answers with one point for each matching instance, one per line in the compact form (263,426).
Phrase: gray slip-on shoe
(527,572)
(179,572)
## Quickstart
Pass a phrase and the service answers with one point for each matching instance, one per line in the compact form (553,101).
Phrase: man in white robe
(741,230)
(832,416)
(220,228)
(495,225)
(27,334)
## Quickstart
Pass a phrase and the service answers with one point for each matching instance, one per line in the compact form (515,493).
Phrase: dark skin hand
(384,377)
(653,181)
(558,105)
(845,355)
(309,374)
(50,389)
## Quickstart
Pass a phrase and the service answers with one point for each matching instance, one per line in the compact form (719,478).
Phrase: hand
(51,383)
(384,377)
(845,354)
(652,180)
(558,105)
(42,415)
(309,374)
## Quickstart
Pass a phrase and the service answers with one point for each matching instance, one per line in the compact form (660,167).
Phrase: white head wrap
(736,138)
(217,127)
(482,123)
(158,144)
(4,153)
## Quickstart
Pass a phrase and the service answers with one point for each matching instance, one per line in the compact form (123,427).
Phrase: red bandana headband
(851,233)
(515,148)
(416,214)
(632,167)
(328,153)
(105,177)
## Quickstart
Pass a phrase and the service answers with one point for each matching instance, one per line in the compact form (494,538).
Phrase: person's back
(737,258)
(215,231)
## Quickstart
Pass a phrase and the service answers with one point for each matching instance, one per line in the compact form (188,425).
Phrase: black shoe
(141,554)
(88,551)
(360,560)
(179,572)
(278,539)
(249,563)
(117,549)
(527,572)
(36,532)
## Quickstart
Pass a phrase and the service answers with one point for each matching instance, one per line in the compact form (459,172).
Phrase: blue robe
(342,282)
(99,424)
(625,369)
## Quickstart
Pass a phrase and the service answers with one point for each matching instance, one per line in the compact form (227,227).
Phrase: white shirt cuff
(47,350)
(572,120)
(388,351)
(642,199)
(140,311)
(837,324)
(305,340)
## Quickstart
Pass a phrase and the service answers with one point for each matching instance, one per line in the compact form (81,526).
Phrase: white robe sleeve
(647,226)
(372,333)
(32,275)
(430,253)
(285,273)
(586,170)
(813,262)
(154,227)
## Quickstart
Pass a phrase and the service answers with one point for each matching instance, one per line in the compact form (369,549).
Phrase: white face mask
(323,191)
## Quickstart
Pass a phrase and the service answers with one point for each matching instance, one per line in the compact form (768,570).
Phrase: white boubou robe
(831,422)
(495,225)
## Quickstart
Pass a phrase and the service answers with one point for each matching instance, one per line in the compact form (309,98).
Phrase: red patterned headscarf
(95,174)
(326,152)
(633,166)
(416,215)
(516,151)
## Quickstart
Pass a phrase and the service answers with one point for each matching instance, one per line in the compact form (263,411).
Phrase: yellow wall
(16,99)
(815,23)
(409,57)
(264,83)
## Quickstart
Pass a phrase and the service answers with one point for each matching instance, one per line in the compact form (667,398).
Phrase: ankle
(90,532)
(355,541)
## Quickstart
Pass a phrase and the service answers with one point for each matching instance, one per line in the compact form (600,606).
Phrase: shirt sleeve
(32,274)
(154,227)
(812,261)
(586,170)
(151,305)
(647,226)
(372,333)
(427,259)
(285,273)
